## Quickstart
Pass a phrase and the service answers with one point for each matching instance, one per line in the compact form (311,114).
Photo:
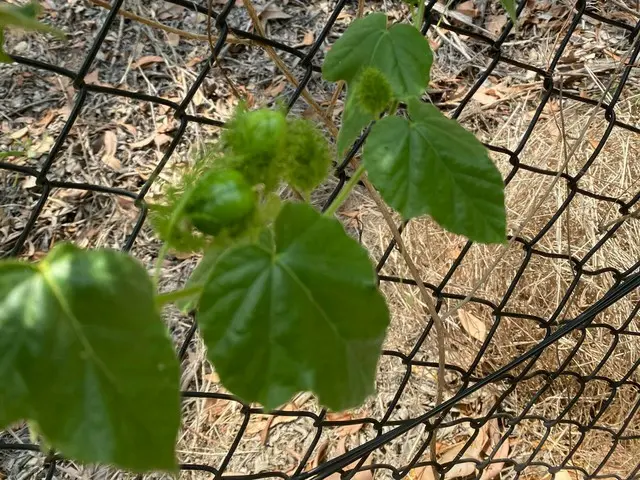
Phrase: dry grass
(277,444)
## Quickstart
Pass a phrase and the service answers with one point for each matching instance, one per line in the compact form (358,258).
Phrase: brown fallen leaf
(486,96)
(161,139)
(472,325)
(194,61)
(321,454)
(173,39)
(495,23)
(349,429)
(147,60)
(41,147)
(215,408)
(128,127)
(462,469)
(360,475)
(563,475)
(274,420)
(92,78)
(494,469)
(110,142)
(29,182)
(142,143)
(482,440)
(468,8)
(276,89)
(422,473)
(273,12)
(44,122)
(19,133)
(308,39)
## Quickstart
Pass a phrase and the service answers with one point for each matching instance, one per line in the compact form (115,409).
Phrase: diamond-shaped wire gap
(163,61)
(96,133)
(504,338)
(212,426)
(278,441)
(17,453)
(486,400)
(67,215)
(535,439)
(266,85)
(595,442)
(542,287)
(18,199)
(622,457)
(37,103)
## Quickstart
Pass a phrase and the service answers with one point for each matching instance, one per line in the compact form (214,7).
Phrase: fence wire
(517,371)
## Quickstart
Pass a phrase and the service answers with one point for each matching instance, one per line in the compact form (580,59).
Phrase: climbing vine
(285,300)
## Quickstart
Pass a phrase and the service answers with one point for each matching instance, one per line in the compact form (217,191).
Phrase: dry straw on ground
(118,142)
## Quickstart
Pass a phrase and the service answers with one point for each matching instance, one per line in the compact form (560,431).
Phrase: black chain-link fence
(470,380)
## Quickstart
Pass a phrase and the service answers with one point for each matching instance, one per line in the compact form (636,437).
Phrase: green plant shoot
(285,299)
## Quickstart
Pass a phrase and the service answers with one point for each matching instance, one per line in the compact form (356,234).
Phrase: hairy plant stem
(419,17)
(345,192)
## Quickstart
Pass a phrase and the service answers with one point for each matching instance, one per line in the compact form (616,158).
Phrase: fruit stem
(344,193)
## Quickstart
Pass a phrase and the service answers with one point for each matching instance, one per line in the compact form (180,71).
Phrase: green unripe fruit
(221,199)
(308,156)
(373,91)
(255,140)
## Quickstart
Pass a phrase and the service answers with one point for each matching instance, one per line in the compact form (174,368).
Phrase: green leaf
(510,7)
(401,53)
(199,276)
(11,153)
(354,120)
(431,165)
(4,58)
(24,17)
(84,354)
(306,315)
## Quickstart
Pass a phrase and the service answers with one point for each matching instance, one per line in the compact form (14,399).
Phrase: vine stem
(419,18)
(163,299)
(345,192)
(426,298)
(157,269)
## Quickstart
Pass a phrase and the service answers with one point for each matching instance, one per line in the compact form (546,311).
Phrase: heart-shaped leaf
(303,315)
(429,164)
(510,7)
(84,354)
(401,53)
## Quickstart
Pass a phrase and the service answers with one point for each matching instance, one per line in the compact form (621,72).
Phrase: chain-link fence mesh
(576,379)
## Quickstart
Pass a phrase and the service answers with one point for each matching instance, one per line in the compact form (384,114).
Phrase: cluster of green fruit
(230,189)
